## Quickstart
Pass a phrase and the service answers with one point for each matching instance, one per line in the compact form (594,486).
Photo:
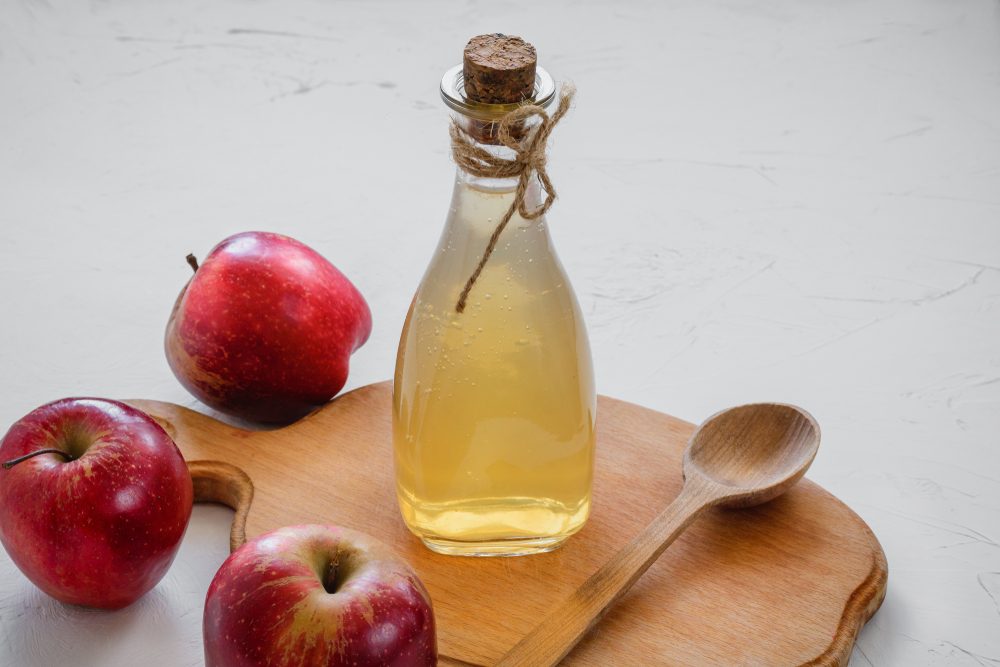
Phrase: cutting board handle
(219,482)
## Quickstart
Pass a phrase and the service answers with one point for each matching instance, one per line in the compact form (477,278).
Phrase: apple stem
(13,462)
(193,261)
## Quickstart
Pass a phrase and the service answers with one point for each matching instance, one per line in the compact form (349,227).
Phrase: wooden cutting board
(787,583)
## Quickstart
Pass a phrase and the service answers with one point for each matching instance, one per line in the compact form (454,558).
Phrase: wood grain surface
(787,583)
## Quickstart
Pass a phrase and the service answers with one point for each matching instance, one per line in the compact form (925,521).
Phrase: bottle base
(513,547)
(509,526)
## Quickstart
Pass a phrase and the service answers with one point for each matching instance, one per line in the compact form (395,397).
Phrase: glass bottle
(494,407)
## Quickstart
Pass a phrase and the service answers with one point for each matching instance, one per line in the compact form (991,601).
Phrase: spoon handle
(560,631)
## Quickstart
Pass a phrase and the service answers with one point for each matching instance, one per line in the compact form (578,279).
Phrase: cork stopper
(499,69)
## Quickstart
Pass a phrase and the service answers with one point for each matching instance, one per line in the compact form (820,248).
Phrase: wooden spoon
(739,457)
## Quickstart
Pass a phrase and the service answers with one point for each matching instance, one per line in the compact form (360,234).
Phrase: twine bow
(529,158)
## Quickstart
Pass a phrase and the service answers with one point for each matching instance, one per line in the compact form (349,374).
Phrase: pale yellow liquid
(493,409)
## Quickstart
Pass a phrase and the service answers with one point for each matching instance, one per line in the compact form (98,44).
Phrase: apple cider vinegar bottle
(493,401)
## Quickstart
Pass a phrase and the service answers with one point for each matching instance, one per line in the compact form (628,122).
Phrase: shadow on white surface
(33,625)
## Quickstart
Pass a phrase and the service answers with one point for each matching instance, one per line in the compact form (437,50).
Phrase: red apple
(96,519)
(265,328)
(317,596)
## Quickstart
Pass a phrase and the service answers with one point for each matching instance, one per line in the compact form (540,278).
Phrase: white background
(793,201)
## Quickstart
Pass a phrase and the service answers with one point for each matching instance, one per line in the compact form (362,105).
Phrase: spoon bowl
(752,453)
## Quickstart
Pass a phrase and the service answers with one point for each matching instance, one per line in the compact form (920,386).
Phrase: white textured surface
(759,200)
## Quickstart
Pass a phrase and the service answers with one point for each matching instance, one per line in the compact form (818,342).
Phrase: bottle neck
(484,136)
(478,204)
(503,189)
(485,228)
